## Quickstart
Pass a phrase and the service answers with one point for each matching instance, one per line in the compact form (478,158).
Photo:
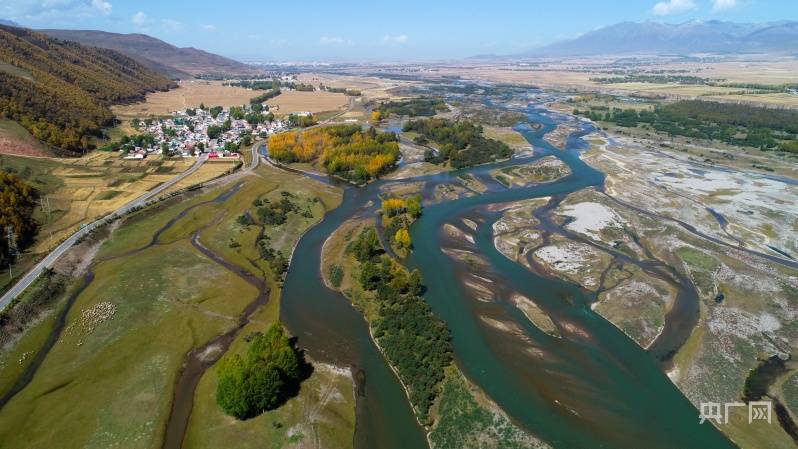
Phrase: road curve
(48,261)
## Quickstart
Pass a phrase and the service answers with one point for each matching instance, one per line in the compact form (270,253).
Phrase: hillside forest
(61,91)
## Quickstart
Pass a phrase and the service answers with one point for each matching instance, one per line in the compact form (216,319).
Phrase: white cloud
(208,28)
(669,7)
(53,11)
(723,5)
(400,39)
(171,25)
(139,19)
(335,40)
(102,6)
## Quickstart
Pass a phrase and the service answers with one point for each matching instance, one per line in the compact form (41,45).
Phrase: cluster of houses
(186,134)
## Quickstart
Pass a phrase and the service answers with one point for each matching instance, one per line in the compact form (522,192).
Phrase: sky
(373,30)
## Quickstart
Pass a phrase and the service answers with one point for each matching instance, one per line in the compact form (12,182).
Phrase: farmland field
(188,94)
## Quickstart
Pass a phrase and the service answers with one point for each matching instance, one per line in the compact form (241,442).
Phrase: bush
(336,275)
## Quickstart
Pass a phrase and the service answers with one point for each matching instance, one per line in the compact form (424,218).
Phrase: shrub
(336,275)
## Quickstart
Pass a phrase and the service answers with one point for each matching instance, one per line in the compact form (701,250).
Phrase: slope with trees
(61,91)
(17,204)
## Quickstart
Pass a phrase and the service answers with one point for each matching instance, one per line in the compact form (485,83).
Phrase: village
(216,131)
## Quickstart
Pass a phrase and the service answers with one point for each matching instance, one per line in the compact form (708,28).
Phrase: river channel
(592,388)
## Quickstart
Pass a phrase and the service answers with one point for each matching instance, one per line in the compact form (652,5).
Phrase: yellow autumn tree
(393,206)
(376,116)
(402,238)
(281,146)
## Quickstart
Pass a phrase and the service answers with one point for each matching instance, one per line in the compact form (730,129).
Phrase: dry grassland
(296,101)
(188,94)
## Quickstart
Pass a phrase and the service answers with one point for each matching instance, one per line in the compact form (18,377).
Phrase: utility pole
(12,249)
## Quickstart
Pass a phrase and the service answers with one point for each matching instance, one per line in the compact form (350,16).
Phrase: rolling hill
(166,58)
(690,37)
(61,91)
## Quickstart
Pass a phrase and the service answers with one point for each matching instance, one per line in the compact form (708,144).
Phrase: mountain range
(712,36)
(175,62)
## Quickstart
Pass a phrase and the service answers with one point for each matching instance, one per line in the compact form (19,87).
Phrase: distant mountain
(690,37)
(61,91)
(9,23)
(173,61)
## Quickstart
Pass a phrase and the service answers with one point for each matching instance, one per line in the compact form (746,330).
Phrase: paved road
(48,261)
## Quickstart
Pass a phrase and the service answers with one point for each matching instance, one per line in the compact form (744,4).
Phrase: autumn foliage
(17,203)
(60,91)
(344,150)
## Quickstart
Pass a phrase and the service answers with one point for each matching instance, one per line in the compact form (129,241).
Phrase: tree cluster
(264,378)
(414,107)
(734,124)
(61,91)
(17,204)
(397,216)
(301,121)
(344,150)
(415,341)
(269,94)
(461,143)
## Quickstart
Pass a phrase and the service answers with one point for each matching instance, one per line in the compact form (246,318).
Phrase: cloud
(54,11)
(171,25)
(669,7)
(102,6)
(723,5)
(397,40)
(139,19)
(336,41)
(208,28)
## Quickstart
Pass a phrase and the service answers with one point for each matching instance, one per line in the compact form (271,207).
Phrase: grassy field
(189,94)
(14,139)
(467,419)
(512,138)
(128,332)
(206,172)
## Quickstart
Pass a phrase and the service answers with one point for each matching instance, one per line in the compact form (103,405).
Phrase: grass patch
(108,194)
(697,258)
(464,423)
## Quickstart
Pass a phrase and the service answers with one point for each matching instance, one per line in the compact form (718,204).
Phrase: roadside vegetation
(342,150)
(17,203)
(461,143)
